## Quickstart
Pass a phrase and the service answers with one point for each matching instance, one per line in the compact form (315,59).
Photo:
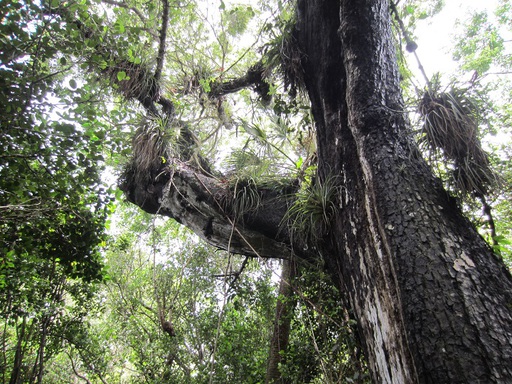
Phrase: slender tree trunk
(282,323)
(432,301)
(18,354)
(38,369)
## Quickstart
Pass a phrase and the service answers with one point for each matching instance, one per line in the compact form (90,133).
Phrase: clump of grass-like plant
(133,81)
(450,133)
(283,53)
(246,193)
(246,198)
(311,213)
(151,149)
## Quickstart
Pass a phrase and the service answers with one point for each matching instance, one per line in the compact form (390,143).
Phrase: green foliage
(483,57)
(71,80)
(246,198)
(247,164)
(237,19)
(481,45)
(315,205)
(43,311)
(501,207)
(270,148)
(413,11)
(161,273)
(152,146)
(283,53)
(323,343)
(53,203)
(52,199)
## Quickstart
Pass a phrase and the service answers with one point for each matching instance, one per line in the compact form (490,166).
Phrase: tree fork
(432,302)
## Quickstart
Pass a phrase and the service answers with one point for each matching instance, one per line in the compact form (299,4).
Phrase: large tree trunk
(432,301)
(433,304)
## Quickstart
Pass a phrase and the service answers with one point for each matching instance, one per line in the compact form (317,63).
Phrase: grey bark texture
(433,303)
(204,203)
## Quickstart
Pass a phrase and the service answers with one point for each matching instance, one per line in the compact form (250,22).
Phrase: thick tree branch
(190,194)
(204,204)
(253,78)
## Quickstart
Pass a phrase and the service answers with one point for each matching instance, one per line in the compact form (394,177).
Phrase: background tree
(53,205)
(177,311)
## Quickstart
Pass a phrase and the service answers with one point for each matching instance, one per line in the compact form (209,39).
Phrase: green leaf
(205,83)
(100,134)
(65,128)
(254,130)
(299,163)
(121,75)
(72,83)
(119,27)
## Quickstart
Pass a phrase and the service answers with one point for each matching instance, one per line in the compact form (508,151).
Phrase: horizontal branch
(192,196)
(204,204)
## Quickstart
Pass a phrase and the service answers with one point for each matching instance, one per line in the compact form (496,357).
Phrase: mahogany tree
(432,301)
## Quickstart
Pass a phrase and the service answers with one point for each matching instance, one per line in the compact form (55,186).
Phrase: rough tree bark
(432,301)
(203,203)
(433,304)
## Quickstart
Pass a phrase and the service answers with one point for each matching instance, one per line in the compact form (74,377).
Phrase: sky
(435,35)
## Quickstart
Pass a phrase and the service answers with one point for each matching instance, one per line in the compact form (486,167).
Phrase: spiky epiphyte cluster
(134,82)
(283,53)
(450,129)
(256,75)
(246,198)
(151,151)
(311,213)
